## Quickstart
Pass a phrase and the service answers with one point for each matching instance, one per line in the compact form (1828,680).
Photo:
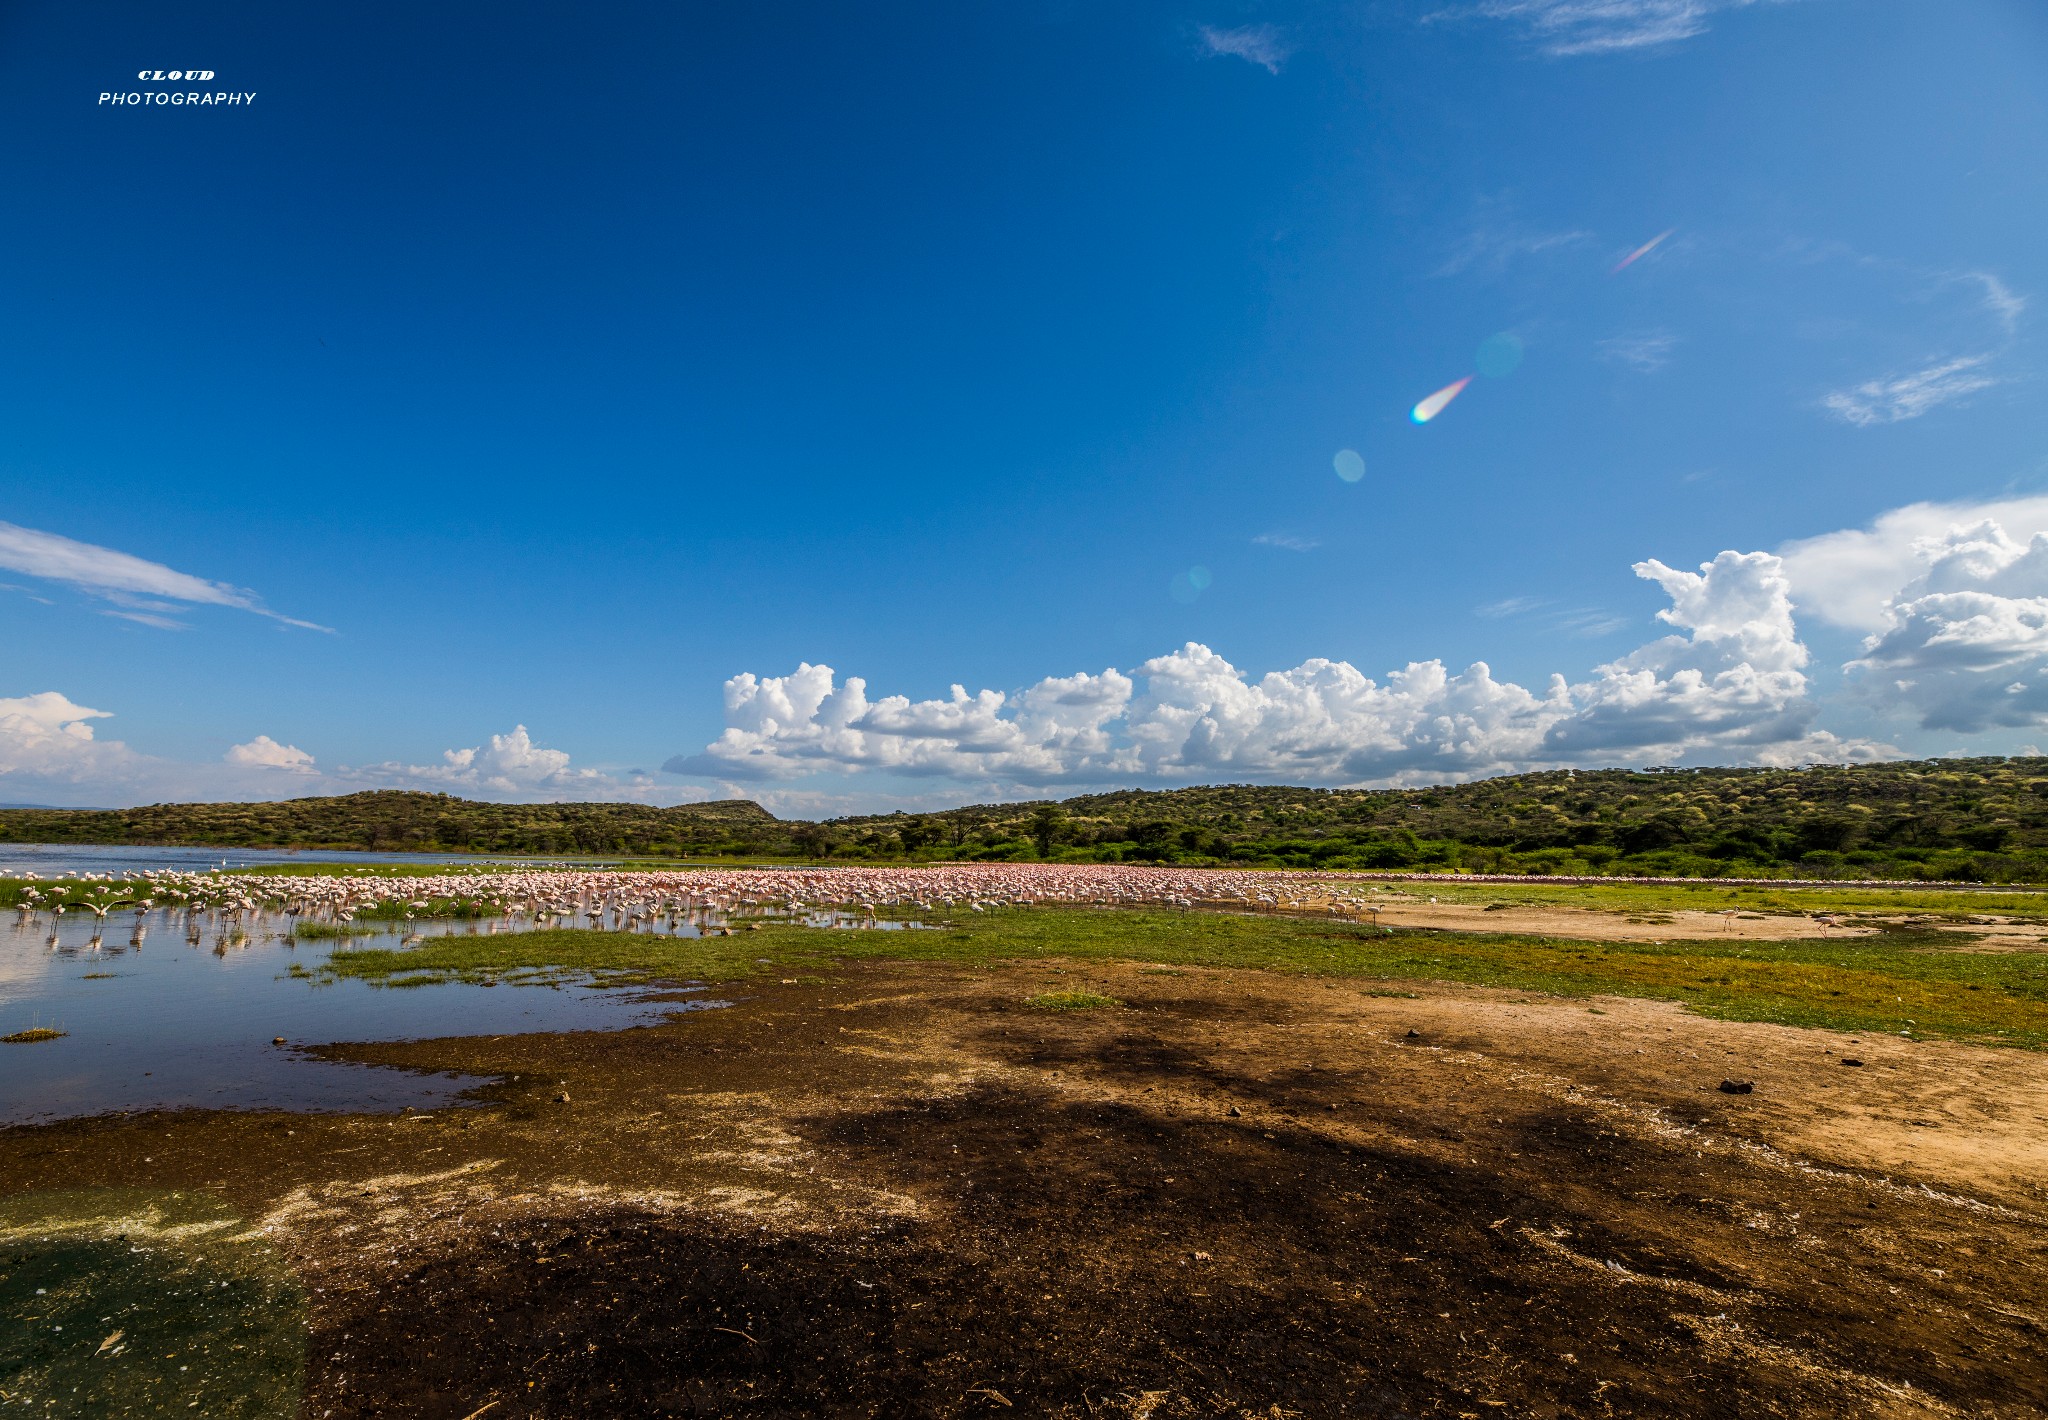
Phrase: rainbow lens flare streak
(1433,406)
(1640,252)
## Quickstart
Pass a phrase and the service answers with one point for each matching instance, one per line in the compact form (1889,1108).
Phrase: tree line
(1980,819)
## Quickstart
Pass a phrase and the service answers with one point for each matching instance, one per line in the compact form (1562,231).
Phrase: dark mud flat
(905,1193)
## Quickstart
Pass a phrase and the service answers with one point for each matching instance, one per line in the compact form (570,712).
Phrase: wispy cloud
(1891,401)
(140,590)
(1568,621)
(1999,299)
(1262,45)
(149,618)
(1569,27)
(1588,621)
(1491,248)
(1648,351)
(1286,540)
(1959,306)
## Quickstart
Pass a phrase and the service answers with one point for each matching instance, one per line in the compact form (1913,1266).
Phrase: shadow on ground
(1086,1258)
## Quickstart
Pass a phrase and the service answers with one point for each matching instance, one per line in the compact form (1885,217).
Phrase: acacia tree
(1046,821)
(813,840)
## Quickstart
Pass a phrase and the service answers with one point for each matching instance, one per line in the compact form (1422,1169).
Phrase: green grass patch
(336,931)
(1895,981)
(1071,1001)
(1709,896)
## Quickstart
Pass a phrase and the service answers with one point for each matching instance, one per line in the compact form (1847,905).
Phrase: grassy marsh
(1708,896)
(1898,981)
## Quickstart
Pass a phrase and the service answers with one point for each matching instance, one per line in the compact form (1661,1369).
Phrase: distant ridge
(394,819)
(1979,820)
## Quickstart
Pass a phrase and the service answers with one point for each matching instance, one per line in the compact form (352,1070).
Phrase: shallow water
(49,859)
(157,1020)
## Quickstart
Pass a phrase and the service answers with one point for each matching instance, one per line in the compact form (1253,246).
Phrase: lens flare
(1642,251)
(1350,465)
(1433,406)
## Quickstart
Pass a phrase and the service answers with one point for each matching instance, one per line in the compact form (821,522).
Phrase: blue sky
(593,372)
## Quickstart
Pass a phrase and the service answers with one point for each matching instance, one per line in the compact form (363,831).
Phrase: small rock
(1415,1035)
(1236,1113)
(277,1040)
(1847,1061)
(1737,1087)
(562,1098)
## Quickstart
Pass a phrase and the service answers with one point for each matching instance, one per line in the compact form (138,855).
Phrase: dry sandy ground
(1588,924)
(1989,934)
(904,1193)
(2004,937)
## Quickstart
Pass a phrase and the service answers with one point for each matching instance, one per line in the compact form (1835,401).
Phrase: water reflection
(178,1007)
(50,859)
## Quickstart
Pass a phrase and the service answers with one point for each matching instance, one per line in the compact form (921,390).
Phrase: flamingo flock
(711,900)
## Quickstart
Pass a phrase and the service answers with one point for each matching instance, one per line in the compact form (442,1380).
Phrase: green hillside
(395,819)
(1971,819)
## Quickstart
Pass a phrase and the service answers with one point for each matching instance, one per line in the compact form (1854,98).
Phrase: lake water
(172,1010)
(49,859)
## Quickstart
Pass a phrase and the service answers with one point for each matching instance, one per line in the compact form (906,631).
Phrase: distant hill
(1946,818)
(1976,819)
(396,819)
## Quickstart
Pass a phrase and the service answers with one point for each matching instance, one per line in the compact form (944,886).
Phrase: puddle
(176,1010)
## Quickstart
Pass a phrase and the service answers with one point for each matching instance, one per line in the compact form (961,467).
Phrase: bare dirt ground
(1606,925)
(904,1193)
(1590,924)
(2003,937)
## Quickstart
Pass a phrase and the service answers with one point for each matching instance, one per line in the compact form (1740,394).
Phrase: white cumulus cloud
(263,752)
(49,754)
(47,737)
(1849,578)
(510,764)
(1964,644)
(1730,685)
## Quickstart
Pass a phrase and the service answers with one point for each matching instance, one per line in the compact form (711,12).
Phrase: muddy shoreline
(902,1192)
